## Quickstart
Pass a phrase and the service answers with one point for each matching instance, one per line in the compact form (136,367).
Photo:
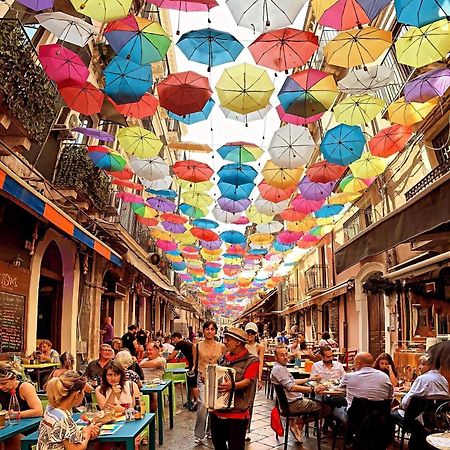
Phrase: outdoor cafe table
(127,433)
(441,441)
(296,372)
(38,369)
(158,389)
(19,426)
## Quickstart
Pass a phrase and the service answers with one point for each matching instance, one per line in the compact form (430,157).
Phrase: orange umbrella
(390,140)
(280,177)
(86,99)
(204,234)
(274,194)
(190,147)
(174,218)
(191,170)
(324,172)
(291,215)
(141,109)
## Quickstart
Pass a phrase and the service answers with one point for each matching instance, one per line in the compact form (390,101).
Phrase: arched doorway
(51,282)
(376,316)
(107,306)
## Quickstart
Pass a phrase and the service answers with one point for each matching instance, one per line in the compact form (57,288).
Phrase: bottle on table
(14,407)
(137,409)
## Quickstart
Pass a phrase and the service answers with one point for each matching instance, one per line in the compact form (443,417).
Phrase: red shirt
(251,372)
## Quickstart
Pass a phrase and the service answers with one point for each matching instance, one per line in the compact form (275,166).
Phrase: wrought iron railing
(429,179)
(316,277)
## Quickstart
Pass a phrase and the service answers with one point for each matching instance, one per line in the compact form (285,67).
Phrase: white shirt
(335,372)
(169,347)
(431,384)
(368,383)
(280,375)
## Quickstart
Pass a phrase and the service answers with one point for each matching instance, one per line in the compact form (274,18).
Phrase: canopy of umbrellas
(294,207)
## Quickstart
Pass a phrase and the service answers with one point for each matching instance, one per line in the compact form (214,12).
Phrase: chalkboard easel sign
(12,322)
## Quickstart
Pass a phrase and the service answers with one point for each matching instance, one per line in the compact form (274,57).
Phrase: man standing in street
(129,340)
(228,427)
(107,331)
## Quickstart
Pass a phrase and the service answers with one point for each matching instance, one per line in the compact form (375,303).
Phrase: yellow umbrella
(357,46)
(190,147)
(197,199)
(421,46)
(185,238)
(302,225)
(161,234)
(368,166)
(255,216)
(103,10)
(343,197)
(355,185)
(358,109)
(261,238)
(244,88)
(174,258)
(409,113)
(279,177)
(139,142)
(201,186)
(215,252)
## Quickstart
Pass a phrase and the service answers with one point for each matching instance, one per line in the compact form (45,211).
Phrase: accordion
(216,375)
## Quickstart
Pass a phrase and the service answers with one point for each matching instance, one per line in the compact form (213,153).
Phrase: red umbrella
(174,218)
(86,99)
(125,174)
(141,109)
(291,215)
(274,194)
(324,171)
(204,234)
(128,184)
(184,92)
(390,140)
(284,49)
(191,170)
(149,222)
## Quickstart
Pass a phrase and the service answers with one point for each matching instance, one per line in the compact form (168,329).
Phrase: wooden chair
(348,359)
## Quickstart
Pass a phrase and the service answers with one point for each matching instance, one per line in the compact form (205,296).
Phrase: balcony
(428,180)
(29,101)
(316,278)
(81,181)
(358,222)
(139,232)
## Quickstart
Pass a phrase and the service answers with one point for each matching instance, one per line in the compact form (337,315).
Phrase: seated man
(294,390)
(153,367)
(95,368)
(366,382)
(327,369)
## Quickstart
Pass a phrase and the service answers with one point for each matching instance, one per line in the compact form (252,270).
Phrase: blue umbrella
(421,12)
(178,266)
(258,251)
(126,81)
(235,192)
(373,7)
(210,47)
(196,117)
(165,193)
(343,144)
(233,237)
(192,211)
(237,174)
(205,223)
(279,247)
(328,211)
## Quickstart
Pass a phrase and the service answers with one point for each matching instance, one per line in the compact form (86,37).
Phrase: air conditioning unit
(120,290)
(67,120)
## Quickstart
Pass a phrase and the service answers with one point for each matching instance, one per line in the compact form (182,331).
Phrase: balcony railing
(139,232)
(316,278)
(76,171)
(27,96)
(428,180)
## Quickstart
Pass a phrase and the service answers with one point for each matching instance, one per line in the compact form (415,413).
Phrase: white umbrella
(362,81)
(225,216)
(67,28)
(291,146)
(271,227)
(151,168)
(245,118)
(270,208)
(265,15)
(163,183)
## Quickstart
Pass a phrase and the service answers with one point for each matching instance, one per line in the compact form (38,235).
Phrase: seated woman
(385,363)
(115,392)
(326,341)
(30,405)
(58,430)
(304,352)
(124,359)
(45,353)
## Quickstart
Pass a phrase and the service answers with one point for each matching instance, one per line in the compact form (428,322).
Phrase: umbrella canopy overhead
(270,208)
(105,158)
(191,170)
(409,113)
(360,81)
(275,194)
(244,88)
(95,133)
(315,191)
(324,172)
(419,13)
(240,152)
(390,141)
(296,120)
(145,107)
(37,5)
(237,174)
(368,166)
(427,86)
(281,177)
(139,142)
(358,109)
(184,5)
(245,118)
(235,192)
(151,169)
(86,99)
(103,10)
(196,117)
(233,206)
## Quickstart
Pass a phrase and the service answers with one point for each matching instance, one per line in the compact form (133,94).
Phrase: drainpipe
(417,269)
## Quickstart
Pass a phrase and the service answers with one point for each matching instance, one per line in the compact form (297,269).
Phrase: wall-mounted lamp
(17,261)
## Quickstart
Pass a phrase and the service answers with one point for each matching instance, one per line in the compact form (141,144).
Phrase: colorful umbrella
(270,208)
(237,174)
(308,93)
(145,107)
(86,99)
(368,166)
(139,142)
(166,245)
(37,5)
(350,184)
(103,10)
(271,227)
(291,215)
(62,65)
(233,237)
(65,27)
(235,192)
(289,237)
(245,118)
(244,88)
(296,120)
(343,144)
(95,133)
(143,210)
(233,206)
(275,194)
(188,185)
(427,86)
(255,216)
(125,174)
(210,47)
(390,140)
(343,197)
(192,211)
(210,245)
(150,168)
(357,47)
(105,158)
(303,225)
(225,216)
(421,46)
(284,49)
(196,117)
(126,81)
(328,211)
(197,199)
(174,218)
(240,152)
(148,222)
(184,92)
(263,15)
(291,146)
(205,223)
(186,146)
(184,5)
(409,113)
(128,184)
(323,172)
(419,13)
(315,191)
(161,204)
(138,39)
(175,228)
(157,184)
(191,170)
(358,109)
(204,234)
(366,81)
(280,177)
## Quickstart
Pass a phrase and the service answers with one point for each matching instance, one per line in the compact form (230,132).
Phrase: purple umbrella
(161,204)
(233,206)
(37,5)
(176,228)
(315,191)
(431,84)
(97,134)
(211,245)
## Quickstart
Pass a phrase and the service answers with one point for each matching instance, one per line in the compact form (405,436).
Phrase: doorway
(375,306)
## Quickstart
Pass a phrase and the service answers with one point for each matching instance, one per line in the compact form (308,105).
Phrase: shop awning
(259,304)
(27,197)
(426,211)
(178,301)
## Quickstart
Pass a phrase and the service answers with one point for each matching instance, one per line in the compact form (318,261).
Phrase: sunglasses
(251,332)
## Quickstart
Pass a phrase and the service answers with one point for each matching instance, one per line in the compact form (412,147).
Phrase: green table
(127,433)
(39,368)
(159,389)
(19,426)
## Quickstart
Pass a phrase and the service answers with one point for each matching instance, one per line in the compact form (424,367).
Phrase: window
(441,145)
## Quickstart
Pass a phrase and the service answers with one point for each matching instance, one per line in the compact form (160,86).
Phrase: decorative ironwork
(316,277)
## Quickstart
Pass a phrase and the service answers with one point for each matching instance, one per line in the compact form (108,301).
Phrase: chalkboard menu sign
(12,322)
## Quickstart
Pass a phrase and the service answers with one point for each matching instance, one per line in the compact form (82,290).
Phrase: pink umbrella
(62,65)
(130,198)
(306,206)
(289,237)
(296,120)
(166,245)
(242,221)
(184,5)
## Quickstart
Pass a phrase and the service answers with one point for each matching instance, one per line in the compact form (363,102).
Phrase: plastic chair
(169,376)
(179,378)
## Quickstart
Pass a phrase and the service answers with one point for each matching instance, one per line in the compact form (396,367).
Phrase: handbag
(192,374)
(275,422)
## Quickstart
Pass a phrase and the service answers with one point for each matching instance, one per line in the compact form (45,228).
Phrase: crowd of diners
(117,375)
